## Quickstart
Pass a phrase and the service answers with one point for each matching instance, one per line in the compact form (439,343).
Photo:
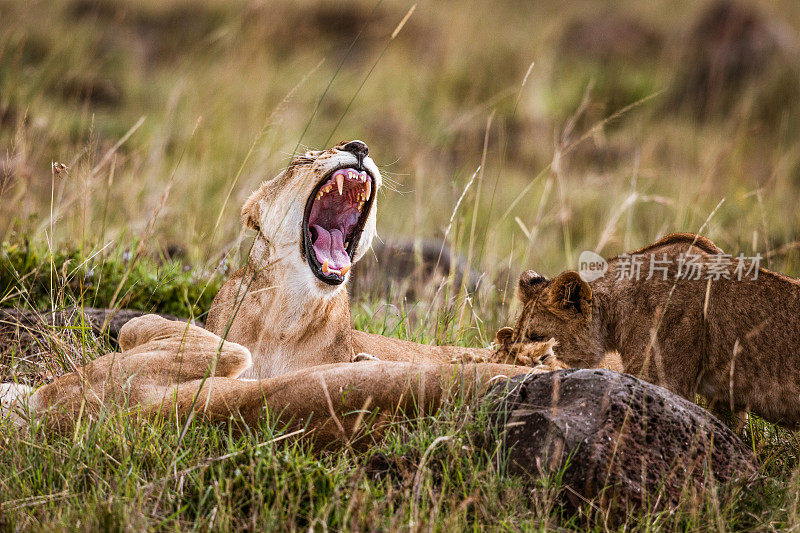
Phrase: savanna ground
(518,134)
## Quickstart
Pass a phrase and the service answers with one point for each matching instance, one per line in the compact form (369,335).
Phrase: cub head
(562,310)
(510,352)
(318,216)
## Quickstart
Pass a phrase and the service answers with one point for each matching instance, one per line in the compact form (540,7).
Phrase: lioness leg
(161,354)
(163,372)
(172,351)
(331,402)
(398,350)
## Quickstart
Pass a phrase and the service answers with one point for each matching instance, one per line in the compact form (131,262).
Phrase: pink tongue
(329,246)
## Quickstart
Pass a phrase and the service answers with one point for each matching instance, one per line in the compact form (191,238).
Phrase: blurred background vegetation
(596,125)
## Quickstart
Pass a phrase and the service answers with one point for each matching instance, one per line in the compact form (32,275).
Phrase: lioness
(289,305)
(690,325)
(170,368)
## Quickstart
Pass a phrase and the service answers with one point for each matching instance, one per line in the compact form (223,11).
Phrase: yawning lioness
(289,305)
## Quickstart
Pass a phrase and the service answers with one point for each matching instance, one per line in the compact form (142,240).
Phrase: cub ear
(251,210)
(570,293)
(504,336)
(530,284)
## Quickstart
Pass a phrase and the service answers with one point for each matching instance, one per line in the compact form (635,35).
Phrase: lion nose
(358,148)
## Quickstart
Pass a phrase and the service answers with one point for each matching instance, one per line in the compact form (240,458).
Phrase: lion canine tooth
(340,183)
(345,270)
(325,268)
(368,188)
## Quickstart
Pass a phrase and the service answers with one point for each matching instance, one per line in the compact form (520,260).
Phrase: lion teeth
(328,270)
(340,183)
(368,189)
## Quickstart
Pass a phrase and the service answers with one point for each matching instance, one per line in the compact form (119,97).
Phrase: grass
(440,470)
(162,286)
(167,114)
(115,474)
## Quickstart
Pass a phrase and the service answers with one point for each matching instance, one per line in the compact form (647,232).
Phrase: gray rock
(625,443)
(35,344)
(20,322)
(406,268)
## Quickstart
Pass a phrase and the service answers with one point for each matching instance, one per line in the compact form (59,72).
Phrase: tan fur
(276,307)
(540,354)
(297,328)
(169,368)
(734,342)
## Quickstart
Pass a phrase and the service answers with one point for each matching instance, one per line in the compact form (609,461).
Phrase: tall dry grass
(165,115)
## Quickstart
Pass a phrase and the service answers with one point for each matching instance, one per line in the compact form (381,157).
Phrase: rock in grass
(405,269)
(35,344)
(621,441)
(15,323)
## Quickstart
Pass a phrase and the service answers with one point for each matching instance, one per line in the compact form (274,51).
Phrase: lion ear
(504,336)
(251,211)
(570,293)
(530,283)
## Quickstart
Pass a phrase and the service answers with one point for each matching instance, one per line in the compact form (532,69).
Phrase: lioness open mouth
(334,218)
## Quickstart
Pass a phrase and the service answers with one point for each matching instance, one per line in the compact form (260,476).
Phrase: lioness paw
(530,354)
(363,356)
(467,358)
(523,360)
(12,393)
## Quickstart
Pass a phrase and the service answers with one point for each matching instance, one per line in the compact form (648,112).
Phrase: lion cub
(699,322)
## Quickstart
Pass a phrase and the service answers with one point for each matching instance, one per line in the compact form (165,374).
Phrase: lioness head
(318,216)
(561,309)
